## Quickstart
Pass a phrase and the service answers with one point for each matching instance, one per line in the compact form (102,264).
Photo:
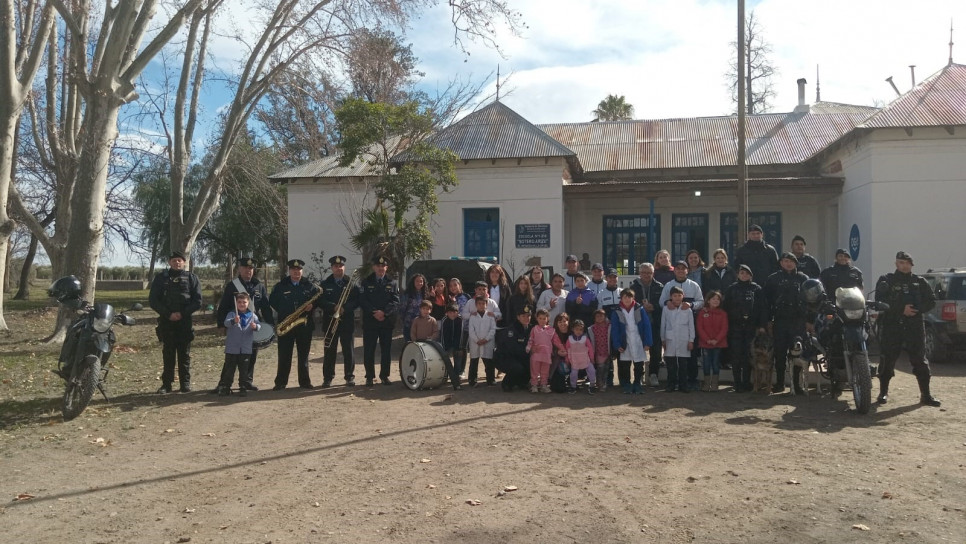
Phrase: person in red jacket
(712,325)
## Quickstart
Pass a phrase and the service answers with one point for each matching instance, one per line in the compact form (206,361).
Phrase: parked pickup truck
(946,323)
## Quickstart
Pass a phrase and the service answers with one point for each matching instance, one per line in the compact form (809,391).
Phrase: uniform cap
(756,228)
(337,259)
(524,310)
(841,251)
(746,268)
(246,261)
(903,256)
(789,255)
(296,263)
(379,259)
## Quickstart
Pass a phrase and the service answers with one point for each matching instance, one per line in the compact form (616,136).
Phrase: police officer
(511,351)
(841,274)
(806,263)
(292,294)
(908,297)
(744,302)
(379,300)
(332,290)
(175,295)
(760,256)
(787,312)
(246,282)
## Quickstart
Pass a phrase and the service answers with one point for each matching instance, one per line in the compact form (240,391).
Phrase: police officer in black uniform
(806,263)
(379,300)
(291,294)
(744,302)
(841,274)
(787,311)
(908,297)
(332,290)
(759,255)
(511,356)
(246,282)
(175,295)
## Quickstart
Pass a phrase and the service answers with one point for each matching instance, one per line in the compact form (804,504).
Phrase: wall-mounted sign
(855,242)
(533,235)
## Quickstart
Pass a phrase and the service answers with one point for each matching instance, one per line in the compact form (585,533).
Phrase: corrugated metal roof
(496,132)
(940,100)
(778,138)
(327,167)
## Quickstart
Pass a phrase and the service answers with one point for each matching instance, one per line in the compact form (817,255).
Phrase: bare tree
(759,70)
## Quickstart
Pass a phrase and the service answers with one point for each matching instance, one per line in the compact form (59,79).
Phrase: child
(241,325)
(580,356)
(424,327)
(554,299)
(540,348)
(482,336)
(451,337)
(600,336)
(677,335)
(712,338)
(581,301)
(559,370)
(630,334)
(438,298)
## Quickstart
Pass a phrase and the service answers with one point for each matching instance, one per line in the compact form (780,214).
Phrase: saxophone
(298,317)
(330,332)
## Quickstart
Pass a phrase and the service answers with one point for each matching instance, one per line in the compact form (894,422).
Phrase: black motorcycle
(87,347)
(842,329)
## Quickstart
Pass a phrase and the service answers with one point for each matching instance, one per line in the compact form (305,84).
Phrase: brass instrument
(330,331)
(298,317)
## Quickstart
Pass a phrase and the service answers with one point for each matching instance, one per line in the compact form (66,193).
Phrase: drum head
(412,366)
(263,337)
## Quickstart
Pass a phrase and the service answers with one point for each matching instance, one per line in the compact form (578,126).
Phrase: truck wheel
(935,349)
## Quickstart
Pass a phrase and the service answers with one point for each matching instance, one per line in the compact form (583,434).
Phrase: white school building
(871,180)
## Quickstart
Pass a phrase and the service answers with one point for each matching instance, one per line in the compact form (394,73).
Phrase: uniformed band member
(288,296)
(511,351)
(841,274)
(332,289)
(908,297)
(175,295)
(379,300)
(246,282)
(787,311)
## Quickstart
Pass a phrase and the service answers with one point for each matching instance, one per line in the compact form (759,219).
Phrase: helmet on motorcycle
(812,292)
(65,290)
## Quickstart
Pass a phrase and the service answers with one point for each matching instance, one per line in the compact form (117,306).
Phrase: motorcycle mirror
(127,320)
(137,306)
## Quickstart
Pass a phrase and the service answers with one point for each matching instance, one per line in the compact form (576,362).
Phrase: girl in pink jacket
(540,348)
(712,325)
(580,356)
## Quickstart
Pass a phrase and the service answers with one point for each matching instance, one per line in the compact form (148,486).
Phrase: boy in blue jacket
(241,325)
(630,335)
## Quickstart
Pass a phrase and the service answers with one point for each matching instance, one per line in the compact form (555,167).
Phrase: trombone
(333,327)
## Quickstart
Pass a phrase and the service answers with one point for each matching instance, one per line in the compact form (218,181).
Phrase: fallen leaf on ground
(861,527)
(424,460)
(208,434)
(431,486)
(510,488)
(23,497)
(793,482)
(886,495)
(189,510)
(473,502)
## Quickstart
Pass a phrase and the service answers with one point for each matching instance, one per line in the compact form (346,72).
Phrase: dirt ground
(387,464)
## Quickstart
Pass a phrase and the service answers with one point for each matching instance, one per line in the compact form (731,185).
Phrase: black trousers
(677,372)
(515,374)
(370,337)
(656,352)
(739,347)
(343,337)
(784,332)
(908,333)
(233,361)
(624,372)
(488,368)
(179,350)
(301,339)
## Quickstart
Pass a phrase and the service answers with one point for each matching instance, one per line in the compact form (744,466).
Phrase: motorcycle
(842,329)
(87,347)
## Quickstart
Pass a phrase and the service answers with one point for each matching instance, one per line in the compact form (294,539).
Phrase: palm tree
(613,108)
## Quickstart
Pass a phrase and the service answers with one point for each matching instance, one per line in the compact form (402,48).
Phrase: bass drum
(423,365)
(263,337)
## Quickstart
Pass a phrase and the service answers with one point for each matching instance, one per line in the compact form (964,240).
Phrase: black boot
(924,397)
(883,390)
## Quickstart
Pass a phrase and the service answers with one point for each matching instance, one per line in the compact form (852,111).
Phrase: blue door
(689,231)
(625,241)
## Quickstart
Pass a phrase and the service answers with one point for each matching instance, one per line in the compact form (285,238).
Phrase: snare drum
(263,337)
(423,365)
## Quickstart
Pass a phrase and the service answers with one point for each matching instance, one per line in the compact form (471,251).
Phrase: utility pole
(742,167)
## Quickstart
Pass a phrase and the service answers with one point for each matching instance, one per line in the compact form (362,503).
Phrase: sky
(668,57)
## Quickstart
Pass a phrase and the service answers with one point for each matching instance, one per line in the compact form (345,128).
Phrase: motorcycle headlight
(103,324)
(854,315)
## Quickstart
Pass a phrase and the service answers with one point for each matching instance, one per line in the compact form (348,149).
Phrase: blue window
(689,231)
(481,232)
(626,243)
(770,222)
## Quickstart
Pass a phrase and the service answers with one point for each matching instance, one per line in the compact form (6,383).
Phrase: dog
(797,358)
(762,363)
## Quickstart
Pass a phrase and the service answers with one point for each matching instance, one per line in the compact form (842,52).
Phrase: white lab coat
(677,329)
(481,327)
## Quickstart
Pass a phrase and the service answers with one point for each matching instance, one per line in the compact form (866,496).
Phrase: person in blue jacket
(631,337)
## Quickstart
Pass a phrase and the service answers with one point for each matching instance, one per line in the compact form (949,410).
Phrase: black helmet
(65,289)
(812,292)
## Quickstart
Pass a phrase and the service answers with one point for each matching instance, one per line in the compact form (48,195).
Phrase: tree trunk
(9,266)
(23,289)
(8,126)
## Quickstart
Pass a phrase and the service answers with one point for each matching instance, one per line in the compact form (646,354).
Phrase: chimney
(802,107)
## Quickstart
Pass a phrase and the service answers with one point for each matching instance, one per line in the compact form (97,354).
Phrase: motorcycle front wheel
(861,382)
(80,389)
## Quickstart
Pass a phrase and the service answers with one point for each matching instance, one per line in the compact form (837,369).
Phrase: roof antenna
(497,82)
(818,86)
(912,71)
(950,41)
(894,88)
